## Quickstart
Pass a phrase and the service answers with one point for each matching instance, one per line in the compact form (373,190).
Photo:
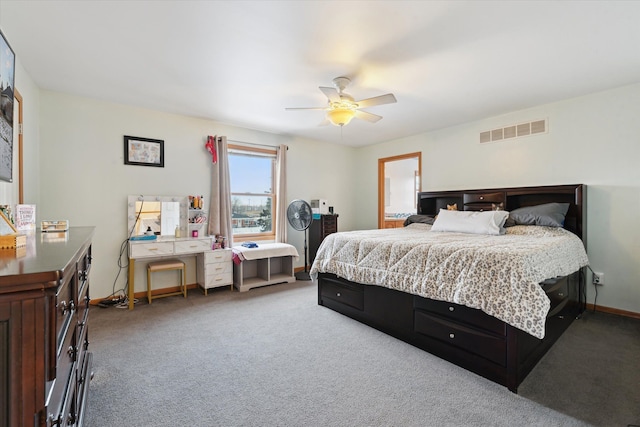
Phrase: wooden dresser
(45,365)
(318,230)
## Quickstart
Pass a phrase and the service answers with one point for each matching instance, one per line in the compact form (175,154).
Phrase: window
(253,198)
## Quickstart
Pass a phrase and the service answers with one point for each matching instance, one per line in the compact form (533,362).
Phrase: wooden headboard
(430,202)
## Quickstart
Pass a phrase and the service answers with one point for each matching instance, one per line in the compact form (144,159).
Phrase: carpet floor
(273,357)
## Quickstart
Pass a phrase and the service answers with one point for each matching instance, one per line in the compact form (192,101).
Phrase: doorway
(399,182)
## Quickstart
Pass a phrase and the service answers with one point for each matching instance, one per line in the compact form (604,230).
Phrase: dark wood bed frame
(465,336)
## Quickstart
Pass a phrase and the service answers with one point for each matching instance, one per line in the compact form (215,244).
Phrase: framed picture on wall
(143,151)
(7,70)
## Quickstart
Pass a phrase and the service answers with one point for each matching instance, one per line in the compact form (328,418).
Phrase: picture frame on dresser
(143,151)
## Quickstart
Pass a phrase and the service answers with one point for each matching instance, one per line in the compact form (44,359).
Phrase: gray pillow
(548,214)
(424,219)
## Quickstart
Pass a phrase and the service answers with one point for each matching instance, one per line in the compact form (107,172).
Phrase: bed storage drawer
(487,345)
(558,292)
(341,292)
(461,314)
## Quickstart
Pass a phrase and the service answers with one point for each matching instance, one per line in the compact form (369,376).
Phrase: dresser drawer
(65,309)
(460,314)
(143,250)
(191,246)
(217,256)
(63,373)
(343,293)
(481,343)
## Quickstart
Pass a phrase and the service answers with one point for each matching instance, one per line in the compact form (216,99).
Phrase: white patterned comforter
(499,275)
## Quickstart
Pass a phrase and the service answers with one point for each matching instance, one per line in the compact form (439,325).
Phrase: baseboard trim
(615,311)
(143,294)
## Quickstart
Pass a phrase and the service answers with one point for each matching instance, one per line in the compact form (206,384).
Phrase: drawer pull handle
(63,307)
(560,294)
(451,308)
(55,421)
(218,279)
(152,249)
(338,294)
(452,336)
(481,197)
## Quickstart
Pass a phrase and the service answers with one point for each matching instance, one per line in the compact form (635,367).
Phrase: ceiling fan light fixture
(340,116)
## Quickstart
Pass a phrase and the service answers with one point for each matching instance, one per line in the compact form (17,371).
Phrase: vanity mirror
(162,214)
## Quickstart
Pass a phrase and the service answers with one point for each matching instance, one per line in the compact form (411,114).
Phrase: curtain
(220,201)
(281,194)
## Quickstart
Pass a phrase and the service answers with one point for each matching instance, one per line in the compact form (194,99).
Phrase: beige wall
(74,170)
(84,179)
(592,140)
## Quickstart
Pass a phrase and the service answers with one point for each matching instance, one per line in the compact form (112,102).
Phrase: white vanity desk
(163,214)
(162,247)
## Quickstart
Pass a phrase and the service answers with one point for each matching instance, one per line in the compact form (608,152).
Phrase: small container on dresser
(321,227)
(214,269)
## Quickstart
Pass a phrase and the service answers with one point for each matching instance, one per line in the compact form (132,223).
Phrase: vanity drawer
(218,268)
(191,246)
(217,256)
(220,279)
(460,314)
(143,250)
(343,293)
(487,345)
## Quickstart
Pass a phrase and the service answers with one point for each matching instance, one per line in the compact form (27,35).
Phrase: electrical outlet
(598,278)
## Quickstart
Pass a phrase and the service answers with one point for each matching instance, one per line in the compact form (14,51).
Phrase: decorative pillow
(548,214)
(424,219)
(475,222)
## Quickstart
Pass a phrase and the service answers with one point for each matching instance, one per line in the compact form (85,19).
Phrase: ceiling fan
(341,106)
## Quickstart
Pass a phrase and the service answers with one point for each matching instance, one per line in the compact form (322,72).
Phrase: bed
(490,302)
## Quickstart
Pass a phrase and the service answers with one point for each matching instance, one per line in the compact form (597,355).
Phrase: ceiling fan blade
(331,93)
(377,100)
(367,116)
(306,108)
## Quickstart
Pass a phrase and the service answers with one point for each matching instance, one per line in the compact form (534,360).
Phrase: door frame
(381,166)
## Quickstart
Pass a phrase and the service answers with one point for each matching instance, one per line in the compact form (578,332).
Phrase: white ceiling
(243,62)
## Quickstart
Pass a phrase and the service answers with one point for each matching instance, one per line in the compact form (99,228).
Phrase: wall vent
(514,131)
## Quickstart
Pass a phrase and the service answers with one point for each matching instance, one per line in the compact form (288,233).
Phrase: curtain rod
(253,143)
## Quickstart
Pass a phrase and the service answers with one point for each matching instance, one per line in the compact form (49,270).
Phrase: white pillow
(488,222)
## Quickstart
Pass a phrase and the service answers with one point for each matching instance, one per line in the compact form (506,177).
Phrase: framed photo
(143,151)
(7,70)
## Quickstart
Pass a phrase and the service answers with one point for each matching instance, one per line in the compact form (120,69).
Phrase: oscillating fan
(300,216)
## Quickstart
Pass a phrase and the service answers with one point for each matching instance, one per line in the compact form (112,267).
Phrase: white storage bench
(267,264)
